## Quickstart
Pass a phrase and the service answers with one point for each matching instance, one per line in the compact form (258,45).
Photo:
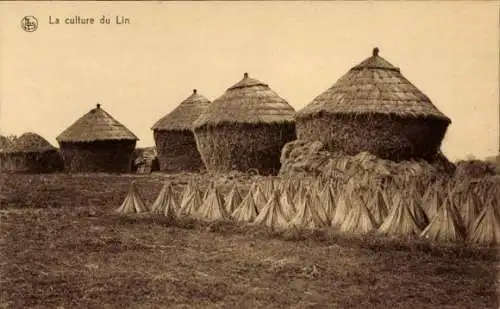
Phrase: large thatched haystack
(245,128)
(97,143)
(174,138)
(374,108)
(30,153)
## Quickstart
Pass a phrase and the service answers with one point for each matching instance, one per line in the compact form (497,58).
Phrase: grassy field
(62,247)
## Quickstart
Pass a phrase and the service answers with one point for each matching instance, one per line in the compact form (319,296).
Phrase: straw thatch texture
(486,227)
(386,136)
(245,128)
(97,143)
(446,226)
(183,116)
(247,210)
(191,201)
(233,199)
(132,202)
(400,220)
(374,108)
(166,203)
(243,146)
(273,215)
(213,206)
(260,197)
(177,151)
(307,215)
(359,220)
(302,157)
(30,153)
(98,156)
(174,138)
(96,125)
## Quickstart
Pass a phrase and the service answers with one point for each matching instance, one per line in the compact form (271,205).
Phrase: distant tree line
(12,138)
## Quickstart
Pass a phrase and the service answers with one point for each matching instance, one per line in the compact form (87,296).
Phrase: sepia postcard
(249,154)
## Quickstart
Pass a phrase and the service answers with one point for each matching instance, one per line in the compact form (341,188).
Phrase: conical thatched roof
(183,116)
(30,142)
(4,143)
(374,86)
(96,125)
(250,102)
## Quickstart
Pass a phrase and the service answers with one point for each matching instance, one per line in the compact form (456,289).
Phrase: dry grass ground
(61,247)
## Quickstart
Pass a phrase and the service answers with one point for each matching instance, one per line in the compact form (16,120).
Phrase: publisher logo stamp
(29,23)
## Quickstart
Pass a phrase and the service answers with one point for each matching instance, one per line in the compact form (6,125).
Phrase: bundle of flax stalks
(311,158)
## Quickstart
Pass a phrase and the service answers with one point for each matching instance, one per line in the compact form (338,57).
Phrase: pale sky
(141,71)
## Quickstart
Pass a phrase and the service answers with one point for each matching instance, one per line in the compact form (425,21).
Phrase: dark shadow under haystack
(374,108)
(245,128)
(174,138)
(30,153)
(97,143)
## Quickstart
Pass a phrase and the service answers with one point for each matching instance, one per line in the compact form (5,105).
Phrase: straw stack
(174,138)
(245,128)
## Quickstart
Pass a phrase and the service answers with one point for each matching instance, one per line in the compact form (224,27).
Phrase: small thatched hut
(245,128)
(30,153)
(97,143)
(374,108)
(174,138)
